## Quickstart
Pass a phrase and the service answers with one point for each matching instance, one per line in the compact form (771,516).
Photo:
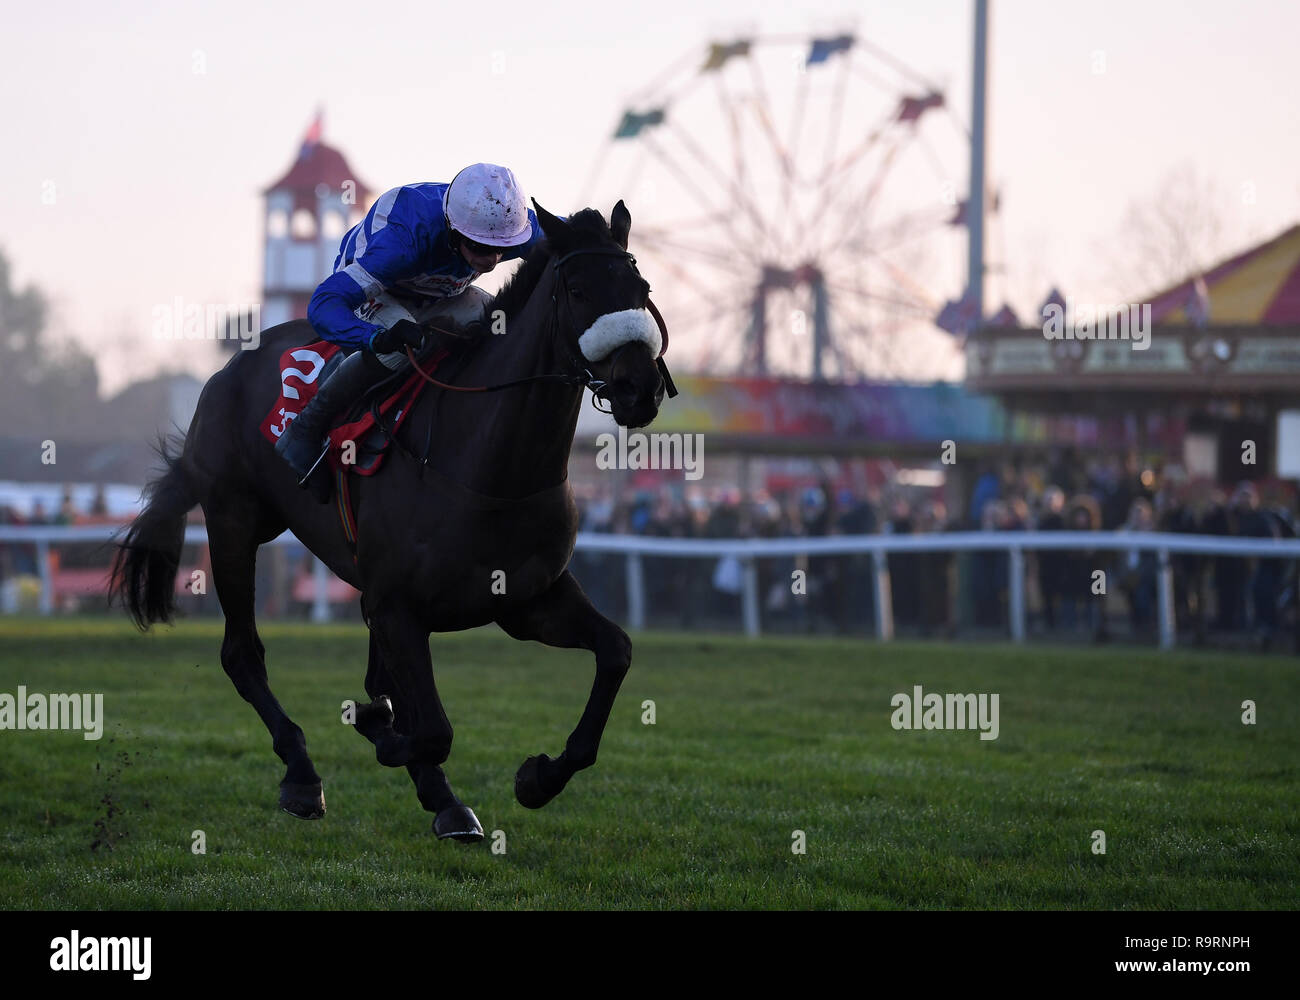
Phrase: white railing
(749,550)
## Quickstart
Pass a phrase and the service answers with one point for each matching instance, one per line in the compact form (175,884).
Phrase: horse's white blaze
(615,329)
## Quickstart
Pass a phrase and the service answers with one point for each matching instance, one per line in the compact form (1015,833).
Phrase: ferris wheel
(795,204)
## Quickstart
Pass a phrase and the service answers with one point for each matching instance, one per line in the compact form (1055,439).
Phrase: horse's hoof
(458,823)
(303,801)
(529,789)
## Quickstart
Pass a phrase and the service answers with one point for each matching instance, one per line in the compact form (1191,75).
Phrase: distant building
(113,441)
(162,404)
(1203,374)
(307,212)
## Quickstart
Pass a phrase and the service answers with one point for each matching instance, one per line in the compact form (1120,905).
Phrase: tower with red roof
(307,212)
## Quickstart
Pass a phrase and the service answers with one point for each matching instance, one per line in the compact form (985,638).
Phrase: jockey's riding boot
(303,443)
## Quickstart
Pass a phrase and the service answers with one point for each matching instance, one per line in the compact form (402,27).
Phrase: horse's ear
(557,231)
(620,223)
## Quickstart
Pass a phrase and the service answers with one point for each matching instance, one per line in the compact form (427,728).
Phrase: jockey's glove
(399,335)
(474,329)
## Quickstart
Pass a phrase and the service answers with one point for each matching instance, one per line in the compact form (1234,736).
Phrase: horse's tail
(144,572)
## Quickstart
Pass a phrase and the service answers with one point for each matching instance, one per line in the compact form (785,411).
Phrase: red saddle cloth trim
(300,369)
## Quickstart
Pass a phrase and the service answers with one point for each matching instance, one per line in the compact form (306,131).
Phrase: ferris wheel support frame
(975,204)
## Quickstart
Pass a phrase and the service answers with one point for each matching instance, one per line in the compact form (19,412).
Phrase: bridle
(584,375)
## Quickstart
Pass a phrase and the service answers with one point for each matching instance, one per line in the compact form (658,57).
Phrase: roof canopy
(1258,286)
(1233,329)
(316,164)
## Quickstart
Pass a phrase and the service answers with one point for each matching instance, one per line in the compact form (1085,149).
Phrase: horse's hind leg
(452,818)
(233,541)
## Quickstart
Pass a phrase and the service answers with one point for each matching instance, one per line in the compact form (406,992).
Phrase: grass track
(753,740)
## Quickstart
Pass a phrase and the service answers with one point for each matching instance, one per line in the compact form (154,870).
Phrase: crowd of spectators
(20,560)
(939,593)
(66,513)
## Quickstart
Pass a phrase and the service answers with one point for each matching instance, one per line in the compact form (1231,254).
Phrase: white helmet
(484,203)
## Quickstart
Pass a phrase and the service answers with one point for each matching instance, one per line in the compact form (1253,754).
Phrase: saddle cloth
(358,444)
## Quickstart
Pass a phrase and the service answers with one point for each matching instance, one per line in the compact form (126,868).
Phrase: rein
(586,378)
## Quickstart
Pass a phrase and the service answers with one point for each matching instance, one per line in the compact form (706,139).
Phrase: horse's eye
(576,293)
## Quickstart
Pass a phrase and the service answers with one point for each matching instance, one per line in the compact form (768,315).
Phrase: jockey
(418,246)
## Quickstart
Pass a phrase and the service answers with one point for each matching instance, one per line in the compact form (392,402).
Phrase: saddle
(360,438)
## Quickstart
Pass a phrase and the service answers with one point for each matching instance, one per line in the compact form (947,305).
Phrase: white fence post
(635,591)
(320,605)
(1165,601)
(884,598)
(1016,582)
(46,605)
(750,596)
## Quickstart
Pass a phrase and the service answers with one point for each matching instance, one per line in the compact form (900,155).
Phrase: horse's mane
(588,225)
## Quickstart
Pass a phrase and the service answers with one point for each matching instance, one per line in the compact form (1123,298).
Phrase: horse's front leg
(562,616)
(407,724)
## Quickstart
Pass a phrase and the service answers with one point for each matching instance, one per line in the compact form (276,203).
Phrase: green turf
(753,741)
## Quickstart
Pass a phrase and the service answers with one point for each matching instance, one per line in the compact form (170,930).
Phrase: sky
(138,136)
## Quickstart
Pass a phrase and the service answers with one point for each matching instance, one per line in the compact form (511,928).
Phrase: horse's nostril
(624,390)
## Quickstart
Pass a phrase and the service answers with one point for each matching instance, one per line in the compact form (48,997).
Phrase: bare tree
(47,386)
(1181,228)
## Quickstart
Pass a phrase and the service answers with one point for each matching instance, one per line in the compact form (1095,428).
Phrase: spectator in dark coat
(1078,600)
(1138,570)
(1052,563)
(1231,573)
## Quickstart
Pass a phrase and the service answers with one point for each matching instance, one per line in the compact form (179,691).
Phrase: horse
(471,521)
